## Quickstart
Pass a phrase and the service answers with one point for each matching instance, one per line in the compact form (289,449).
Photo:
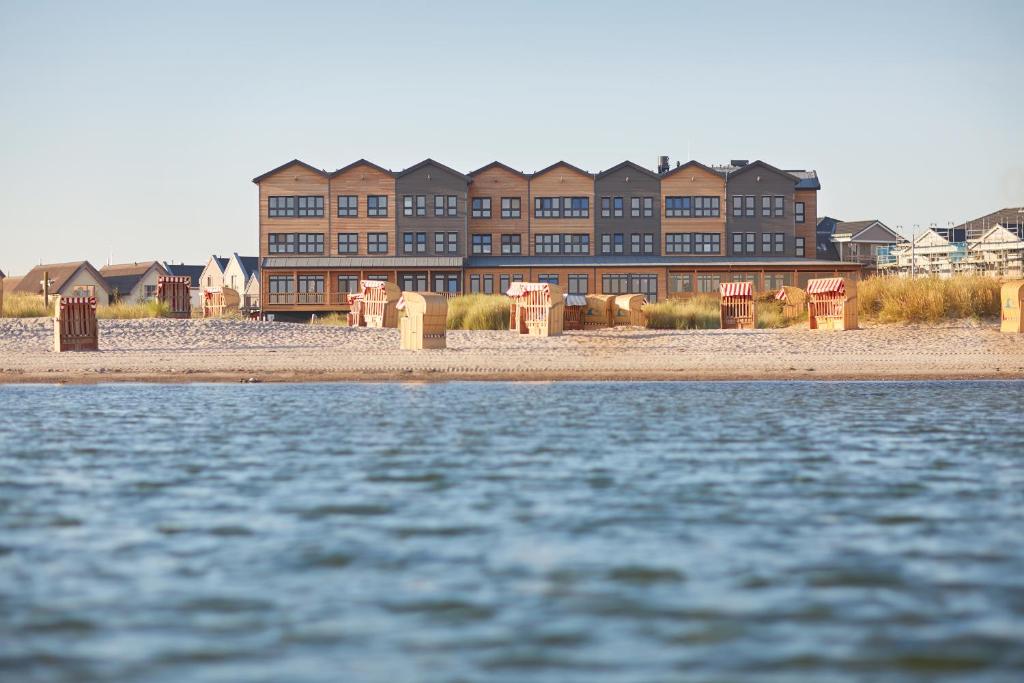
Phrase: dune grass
(25,306)
(331,320)
(478,312)
(124,311)
(699,312)
(929,299)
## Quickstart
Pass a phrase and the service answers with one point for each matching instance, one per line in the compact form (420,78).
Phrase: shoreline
(168,351)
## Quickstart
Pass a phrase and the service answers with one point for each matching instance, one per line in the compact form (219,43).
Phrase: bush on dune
(478,312)
(699,312)
(928,299)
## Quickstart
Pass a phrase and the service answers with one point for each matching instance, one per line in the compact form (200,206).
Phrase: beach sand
(232,350)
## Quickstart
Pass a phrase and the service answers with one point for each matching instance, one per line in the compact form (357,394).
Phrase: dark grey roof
(1011,216)
(362,262)
(808,180)
(629,164)
(825,248)
(193,272)
(429,161)
(250,264)
(636,261)
(2,274)
(123,284)
(293,162)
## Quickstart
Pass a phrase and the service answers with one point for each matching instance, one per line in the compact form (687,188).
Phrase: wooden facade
(677,263)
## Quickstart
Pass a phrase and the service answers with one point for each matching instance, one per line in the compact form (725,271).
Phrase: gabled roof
(293,162)
(688,164)
(361,162)
(997,234)
(248,264)
(431,162)
(761,164)
(253,277)
(930,238)
(59,274)
(806,180)
(1013,215)
(192,272)
(123,277)
(496,164)
(221,261)
(561,163)
(859,229)
(628,164)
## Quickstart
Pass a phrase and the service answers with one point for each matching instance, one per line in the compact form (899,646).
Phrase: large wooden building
(670,233)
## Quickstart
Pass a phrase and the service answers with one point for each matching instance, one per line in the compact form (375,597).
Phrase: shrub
(121,311)
(478,312)
(25,306)
(928,299)
(700,312)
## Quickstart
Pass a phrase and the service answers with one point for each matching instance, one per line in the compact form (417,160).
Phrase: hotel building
(670,233)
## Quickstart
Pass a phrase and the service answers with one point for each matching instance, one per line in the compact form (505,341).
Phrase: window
(410,241)
(407,205)
(347,284)
(766,243)
(751,242)
(648,207)
(446,283)
(378,278)
(474,284)
(799,210)
(446,242)
(488,284)
(549,278)
(413,282)
(576,244)
(453,205)
(780,242)
(511,244)
(737,205)
(311,289)
(377,205)
(766,205)
(799,246)
(421,205)
(707,242)
(503,284)
(280,288)
(296,243)
(774,281)
(348,205)
(634,207)
(453,242)
(631,283)
(606,207)
(648,243)
(310,242)
(481,207)
(281,243)
(149,291)
(707,207)
(708,283)
(510,207)
(680,283)
(481,244)
(779,206)
(576,207)
(617,207)
(348,243)
(744,243)
(677,207)
(311,206)
(377,243)
(547,244)
(578,284)
(547,207)
(613,244)
(438,204)
(678,243)
(753,278)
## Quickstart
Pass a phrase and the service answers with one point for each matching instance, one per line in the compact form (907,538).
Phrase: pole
(46,288)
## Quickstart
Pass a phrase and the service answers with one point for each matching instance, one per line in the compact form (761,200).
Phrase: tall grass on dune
(929,299)
(478,312)
(699,312)
(25,306)
(331,320)
(123,311)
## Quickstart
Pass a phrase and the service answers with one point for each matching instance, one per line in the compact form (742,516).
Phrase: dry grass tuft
(120,311)
(929,299)
(331,320)
(478,312)
(25,306)
(699,312)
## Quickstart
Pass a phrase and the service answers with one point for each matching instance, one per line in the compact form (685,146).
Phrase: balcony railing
(320,298)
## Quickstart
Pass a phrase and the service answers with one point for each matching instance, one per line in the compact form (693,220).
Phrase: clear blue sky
(136,127)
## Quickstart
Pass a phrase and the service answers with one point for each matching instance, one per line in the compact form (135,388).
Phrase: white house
(212,277)
(997,252)
(133,283)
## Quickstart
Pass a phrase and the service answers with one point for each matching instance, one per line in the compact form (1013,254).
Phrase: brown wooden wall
(562,181)
(497,182)
(694,181)
(295,181)
(363,180)
(806,229)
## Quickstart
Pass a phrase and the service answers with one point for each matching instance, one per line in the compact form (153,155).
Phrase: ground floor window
(578,283)
(549,278)
(631,283)
(680,283)
(280,288)
(446,283)
(348,284)
(708,283)
(775,281)
(85,291)
(481,284)
(150,292)
(753,278)
(413,282)
(311,289)
(506,280)
(612,243)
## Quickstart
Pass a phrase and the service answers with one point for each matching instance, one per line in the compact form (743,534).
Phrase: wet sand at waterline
(161,350)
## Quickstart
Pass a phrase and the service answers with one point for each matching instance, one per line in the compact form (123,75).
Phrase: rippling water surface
(513,532)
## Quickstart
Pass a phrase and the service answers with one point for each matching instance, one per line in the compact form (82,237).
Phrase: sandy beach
(156,350)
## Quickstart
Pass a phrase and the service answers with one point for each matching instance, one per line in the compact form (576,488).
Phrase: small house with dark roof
(76,278)
(133,282)
(238,270)
(212,277)
(861,241)
(194,273)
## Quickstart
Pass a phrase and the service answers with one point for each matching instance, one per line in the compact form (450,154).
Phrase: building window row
(612,207)
(311,206)
(693,243)
(771,206)
(568,243)
(511,245)
(745,243)
(416,242)
(295,243)
(561,207)
(693,207)
(511,207)
(631,283)
(639,243)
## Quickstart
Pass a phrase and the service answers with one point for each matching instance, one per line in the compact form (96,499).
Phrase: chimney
(740,162)
(663,164)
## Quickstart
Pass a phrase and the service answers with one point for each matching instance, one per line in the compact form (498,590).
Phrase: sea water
(792,531)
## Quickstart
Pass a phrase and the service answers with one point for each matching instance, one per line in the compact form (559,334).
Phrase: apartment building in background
(672,232)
